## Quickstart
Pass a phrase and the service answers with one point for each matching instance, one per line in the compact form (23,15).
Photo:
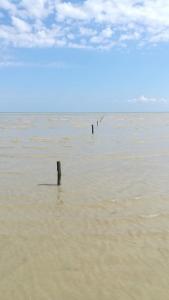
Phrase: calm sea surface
(104,233)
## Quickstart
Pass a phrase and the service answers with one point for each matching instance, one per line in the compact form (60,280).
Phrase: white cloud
(107,32)
(21,25)
(147,100)
(38,9)
(68,10)
(9,62)
(103,23)
(86,31)
(7,5)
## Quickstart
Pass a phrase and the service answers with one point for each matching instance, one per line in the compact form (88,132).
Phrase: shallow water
(104,233)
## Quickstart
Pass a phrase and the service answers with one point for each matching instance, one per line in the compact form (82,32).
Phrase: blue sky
(84,55)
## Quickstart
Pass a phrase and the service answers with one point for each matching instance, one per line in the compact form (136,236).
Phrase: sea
(103,234)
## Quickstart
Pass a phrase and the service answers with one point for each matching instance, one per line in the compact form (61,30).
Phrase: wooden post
(101,119)
(97,123)
(92,129)
(59,172)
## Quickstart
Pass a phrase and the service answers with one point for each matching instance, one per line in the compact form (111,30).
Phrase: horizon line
(81,112)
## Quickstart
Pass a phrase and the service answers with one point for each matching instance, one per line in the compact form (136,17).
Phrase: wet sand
(104,233)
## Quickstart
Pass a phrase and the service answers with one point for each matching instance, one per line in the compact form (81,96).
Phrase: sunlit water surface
(104,233)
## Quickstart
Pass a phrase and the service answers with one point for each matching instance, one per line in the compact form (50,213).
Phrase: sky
(84,55)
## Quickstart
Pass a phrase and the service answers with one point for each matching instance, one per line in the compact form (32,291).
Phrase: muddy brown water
(104,233)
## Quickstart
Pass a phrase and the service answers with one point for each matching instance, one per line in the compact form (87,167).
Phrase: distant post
(101,119)
(97,123)
(92,129)
(59,173)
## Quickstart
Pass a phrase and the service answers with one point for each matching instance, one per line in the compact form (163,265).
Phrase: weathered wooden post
(92,129)
(97,123)
(59,172)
